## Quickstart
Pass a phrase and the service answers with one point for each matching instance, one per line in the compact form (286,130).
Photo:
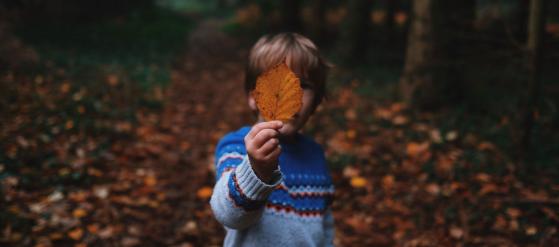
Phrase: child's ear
(252,103)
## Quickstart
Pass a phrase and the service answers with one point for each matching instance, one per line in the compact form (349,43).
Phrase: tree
(391,7)
(536,26)
(318,29)
(290,14)
(355,36)
(436,42)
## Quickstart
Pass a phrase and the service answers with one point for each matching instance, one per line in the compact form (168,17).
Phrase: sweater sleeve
(329,229)
(239,196)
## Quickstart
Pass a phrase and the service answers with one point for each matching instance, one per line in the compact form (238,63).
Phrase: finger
(263,136)
(274,154)
(263,125)
(269,146)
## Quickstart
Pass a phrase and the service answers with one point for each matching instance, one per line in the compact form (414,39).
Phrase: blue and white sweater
(292,211)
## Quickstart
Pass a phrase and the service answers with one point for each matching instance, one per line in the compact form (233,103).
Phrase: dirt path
(174,151)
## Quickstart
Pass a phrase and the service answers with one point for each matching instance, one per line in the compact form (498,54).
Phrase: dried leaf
(350,171)
(456,232)
(531,230)
(433,189)
(400,120)
(278,93)
(150,180)
(414,149)
(204,192)
(76,234)
(452,135)
(93,228)
(514,212)
(388,182)
(65,88)
(112,80)
(358,182)
(79,213)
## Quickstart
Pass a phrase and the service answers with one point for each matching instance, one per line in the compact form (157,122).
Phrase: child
(273,186)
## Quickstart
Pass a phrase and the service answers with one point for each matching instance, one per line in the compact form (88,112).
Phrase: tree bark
(319,23)
(436,43)
(357,31)
(290,14)
(536,26)
(391,7)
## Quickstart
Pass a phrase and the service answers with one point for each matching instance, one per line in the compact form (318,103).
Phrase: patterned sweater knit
(291,211)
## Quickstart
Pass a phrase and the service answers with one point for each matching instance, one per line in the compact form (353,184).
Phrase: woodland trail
(173,155)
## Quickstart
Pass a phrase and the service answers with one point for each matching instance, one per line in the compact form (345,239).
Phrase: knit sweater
(292,210)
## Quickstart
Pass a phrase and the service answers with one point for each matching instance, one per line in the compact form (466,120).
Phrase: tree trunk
(319,24)
(536,27)
(520,19)
(432,74)
(290,14)
(357,30)
(391,7)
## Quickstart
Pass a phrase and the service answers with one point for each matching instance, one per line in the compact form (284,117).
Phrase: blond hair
(299,53)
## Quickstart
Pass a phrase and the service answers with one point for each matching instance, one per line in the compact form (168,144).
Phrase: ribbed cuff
(251,186)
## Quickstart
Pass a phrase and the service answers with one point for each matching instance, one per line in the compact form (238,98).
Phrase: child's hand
(262,145)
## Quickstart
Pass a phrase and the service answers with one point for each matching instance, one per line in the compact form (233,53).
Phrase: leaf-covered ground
(79,168)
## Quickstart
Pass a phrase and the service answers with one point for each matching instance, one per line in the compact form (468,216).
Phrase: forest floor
(400,179)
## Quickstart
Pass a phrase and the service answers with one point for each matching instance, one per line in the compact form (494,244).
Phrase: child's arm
(241,192)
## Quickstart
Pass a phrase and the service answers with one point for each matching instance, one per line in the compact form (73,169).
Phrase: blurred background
(440,129)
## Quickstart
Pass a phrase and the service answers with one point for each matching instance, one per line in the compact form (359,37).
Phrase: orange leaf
(358,182)
(93,228)
(150,180)
(388,182)
(414,149)
(65,88)
(112,80)
(76,234)
(278,93)
(204,192)
(79,213)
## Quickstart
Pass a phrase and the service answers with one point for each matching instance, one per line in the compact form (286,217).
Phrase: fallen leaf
(456,232)
(150,180)
(76,234)
(65,88)
(414,149)
(350,171)
(500,223)
(79,213)
(112,80)
(56,236)
(388,182)
(204,192)
(483,177)
(400,120)
(278,93)
(488,188)
(531,230)
(351,134)
(350,114)
(358,182)
(513,212)
(451,136)
(436,136)
(190,227)
(69,124)
(93,228)
(433,189)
